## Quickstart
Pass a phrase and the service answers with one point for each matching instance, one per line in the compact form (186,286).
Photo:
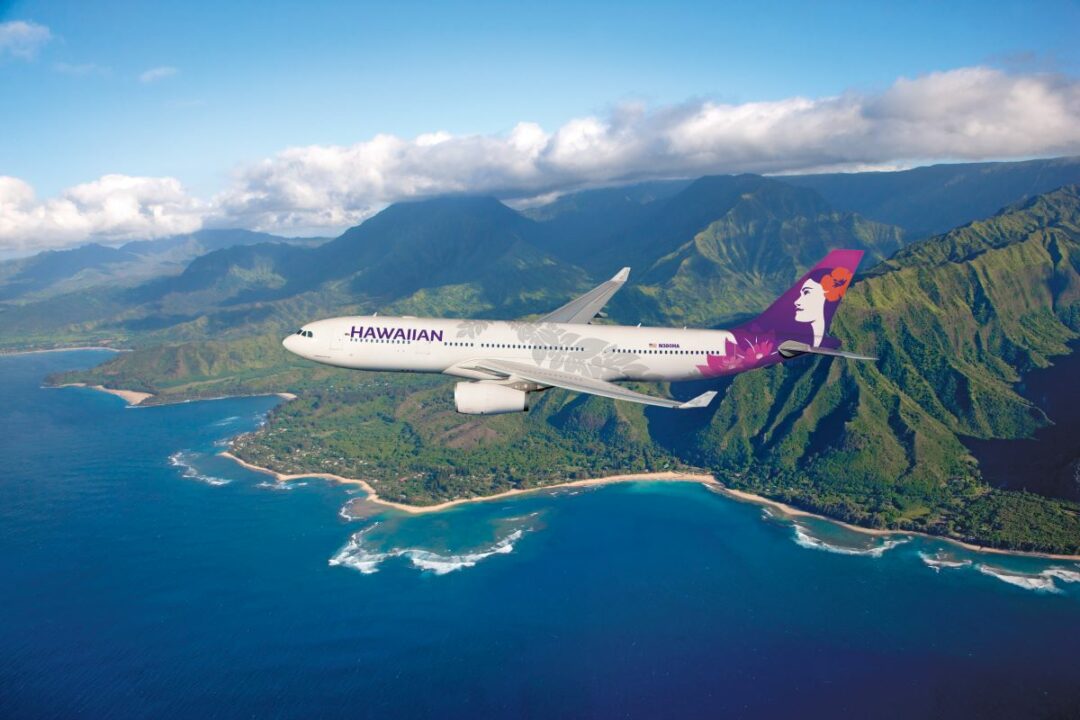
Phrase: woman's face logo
(810,303)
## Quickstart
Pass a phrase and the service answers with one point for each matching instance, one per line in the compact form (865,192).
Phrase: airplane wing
(584,309)
(578,383)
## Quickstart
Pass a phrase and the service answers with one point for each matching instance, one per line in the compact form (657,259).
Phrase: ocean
(141,575)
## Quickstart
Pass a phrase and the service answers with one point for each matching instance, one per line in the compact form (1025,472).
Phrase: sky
(123,120)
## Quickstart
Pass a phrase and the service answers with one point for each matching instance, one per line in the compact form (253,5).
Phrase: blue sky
(252,79)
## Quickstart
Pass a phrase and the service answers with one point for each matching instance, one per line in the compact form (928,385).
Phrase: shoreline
(709,481)
(373,494)
(131,397)
(134,397)
(5,353)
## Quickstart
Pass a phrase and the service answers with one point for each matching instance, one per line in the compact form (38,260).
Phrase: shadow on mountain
(1048,463)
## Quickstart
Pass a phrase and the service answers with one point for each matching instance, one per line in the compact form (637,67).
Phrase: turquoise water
(142,576)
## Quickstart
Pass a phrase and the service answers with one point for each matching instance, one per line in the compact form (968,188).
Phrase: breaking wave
(940,561)
(1063,574)
(183,459)
(1044,581)
(1040,582)
(356,555)
(274,485)
(806,540)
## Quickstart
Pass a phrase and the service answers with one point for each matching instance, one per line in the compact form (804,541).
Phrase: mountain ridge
(956,321)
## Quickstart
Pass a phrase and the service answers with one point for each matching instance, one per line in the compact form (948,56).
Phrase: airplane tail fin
(803,313)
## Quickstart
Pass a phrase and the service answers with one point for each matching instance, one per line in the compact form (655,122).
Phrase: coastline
(373,495)
(135,398)
(131,397)
(708,481)
(4,353)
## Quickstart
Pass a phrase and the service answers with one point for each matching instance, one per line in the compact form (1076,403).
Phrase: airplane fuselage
(507,362)
(607,352)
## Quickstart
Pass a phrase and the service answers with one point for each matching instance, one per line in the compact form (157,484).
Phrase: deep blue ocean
(142,576)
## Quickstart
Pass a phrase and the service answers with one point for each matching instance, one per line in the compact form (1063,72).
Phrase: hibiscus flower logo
(836,283)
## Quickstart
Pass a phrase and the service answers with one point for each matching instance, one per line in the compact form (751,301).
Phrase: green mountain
(930,200)
(583,218)
(704,252)
(955,321)
(44,270)
(450,254)
(464,256)
(58,272)
(765,235)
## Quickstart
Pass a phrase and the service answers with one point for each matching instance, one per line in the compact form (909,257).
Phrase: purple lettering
(389,333)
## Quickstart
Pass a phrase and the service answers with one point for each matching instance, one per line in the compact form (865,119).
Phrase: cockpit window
(310,334)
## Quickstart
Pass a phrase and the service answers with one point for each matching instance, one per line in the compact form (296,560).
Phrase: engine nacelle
(481,398)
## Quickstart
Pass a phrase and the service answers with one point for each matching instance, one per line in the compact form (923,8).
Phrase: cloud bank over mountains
(974,113)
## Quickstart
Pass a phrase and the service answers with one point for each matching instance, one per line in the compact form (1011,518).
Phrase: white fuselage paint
(606,352)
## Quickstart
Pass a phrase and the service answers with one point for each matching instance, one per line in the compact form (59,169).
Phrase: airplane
(504,364)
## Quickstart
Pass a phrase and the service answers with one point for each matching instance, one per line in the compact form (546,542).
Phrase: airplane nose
(289,342)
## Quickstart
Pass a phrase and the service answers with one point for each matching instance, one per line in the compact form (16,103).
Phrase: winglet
(582,310)
(700,401)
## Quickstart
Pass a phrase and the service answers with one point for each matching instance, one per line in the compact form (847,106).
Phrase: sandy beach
(61,349)
(131,397)
(707,480)
(373,495)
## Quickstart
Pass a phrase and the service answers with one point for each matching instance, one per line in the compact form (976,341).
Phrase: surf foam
(1041,582)
(1062,574)
(940,561)
(804,539)
(357,556)
(274,485)
(183,459)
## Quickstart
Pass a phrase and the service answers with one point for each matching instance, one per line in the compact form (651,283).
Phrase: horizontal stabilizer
(700,401)
(793,348)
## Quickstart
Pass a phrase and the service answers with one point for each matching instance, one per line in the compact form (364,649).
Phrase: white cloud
(22,38)
(158,73)
(966,114)
(114,207)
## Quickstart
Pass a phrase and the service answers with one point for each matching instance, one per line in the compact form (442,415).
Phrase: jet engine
(483,398)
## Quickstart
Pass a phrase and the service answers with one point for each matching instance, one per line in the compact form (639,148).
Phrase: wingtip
(622,275)
(700,401)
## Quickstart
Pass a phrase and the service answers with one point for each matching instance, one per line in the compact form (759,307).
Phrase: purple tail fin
(805,311)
